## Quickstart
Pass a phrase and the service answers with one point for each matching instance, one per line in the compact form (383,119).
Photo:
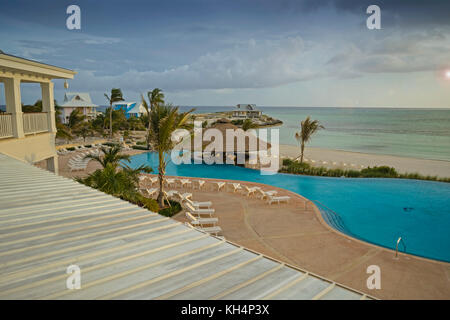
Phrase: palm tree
(110,156)
(163,121)
(155,97)
(307,128)
(84,130)
(248,124)
(116,96)
(75,119)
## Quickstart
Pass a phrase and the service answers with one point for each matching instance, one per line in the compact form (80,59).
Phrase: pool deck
(295,233)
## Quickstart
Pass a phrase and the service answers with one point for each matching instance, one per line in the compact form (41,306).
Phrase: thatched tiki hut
(226,143)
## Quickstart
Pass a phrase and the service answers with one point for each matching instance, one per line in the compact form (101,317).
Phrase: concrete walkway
(296,234)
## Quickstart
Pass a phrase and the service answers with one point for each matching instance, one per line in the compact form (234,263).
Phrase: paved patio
(296,234)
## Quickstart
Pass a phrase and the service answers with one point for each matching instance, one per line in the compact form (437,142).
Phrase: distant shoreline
(440,168)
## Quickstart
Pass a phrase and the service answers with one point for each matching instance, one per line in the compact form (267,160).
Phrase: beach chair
(218,185)
(171,194)
(248,191)
(234,186)
(198,184)
(205,224)
(261,194)
(273,199)
(198,212)
(185,183)
(199,204)
(169,182)
(152,180)
(148,193)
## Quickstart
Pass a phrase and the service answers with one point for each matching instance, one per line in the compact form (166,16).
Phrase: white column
(52,164)
(48,104)
(14,105)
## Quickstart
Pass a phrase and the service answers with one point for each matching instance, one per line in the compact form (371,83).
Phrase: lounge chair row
(79,161)
(199,213)
(271,195)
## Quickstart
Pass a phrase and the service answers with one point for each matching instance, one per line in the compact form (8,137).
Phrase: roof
(246,107)
(131,107)
(77,99)
(18,64)
(48,223)
(137,108)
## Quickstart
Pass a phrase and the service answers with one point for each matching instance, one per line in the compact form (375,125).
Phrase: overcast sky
(211,52)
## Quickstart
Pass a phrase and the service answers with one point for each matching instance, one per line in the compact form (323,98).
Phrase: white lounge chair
(199,204)
(261,194)
(169,182)
(149,192)
(152,180)
(198,184)
(248,191)
(272,199)
(235,186)
(218,185)
(201,221)
(198,212)
(184,183)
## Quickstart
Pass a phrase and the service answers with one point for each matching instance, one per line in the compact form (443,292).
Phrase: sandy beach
(354,160)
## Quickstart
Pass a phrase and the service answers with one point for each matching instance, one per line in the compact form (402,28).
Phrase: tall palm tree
(248,124)
(163,121)
(307,128)
(110,156)
(115,96)
(155,97)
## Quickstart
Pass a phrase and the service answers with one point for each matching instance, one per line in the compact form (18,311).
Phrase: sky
(220,53)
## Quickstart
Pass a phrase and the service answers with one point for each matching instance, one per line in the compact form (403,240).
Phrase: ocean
(416,133)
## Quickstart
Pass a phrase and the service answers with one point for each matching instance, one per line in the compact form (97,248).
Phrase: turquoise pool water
(374,210)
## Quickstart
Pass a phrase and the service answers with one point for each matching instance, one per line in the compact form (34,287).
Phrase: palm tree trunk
(110,121)
(302,148)
(161,173)
(148,129)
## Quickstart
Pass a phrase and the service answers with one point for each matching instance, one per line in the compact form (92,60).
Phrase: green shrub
(174,208)
(71,148)
(141,143)
(88,145)
(295,167)
(375,172)
(287,162)
(150,204)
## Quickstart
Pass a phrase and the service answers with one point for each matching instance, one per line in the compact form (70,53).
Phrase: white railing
(6,130)
(35,122)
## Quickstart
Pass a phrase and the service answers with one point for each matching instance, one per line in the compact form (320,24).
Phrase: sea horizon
(370,130)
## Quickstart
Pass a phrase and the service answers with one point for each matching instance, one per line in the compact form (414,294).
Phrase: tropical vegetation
(115,96)
(296,167)
(164,119)
(307,128)
(155,98)
(117,178)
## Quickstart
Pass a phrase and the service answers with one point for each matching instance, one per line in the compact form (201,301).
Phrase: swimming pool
(374,210)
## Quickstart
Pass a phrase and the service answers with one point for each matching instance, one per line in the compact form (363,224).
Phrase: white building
(77,100)
(29,137)
(246,111)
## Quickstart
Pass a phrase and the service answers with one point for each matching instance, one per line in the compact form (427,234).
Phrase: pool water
(378,211)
